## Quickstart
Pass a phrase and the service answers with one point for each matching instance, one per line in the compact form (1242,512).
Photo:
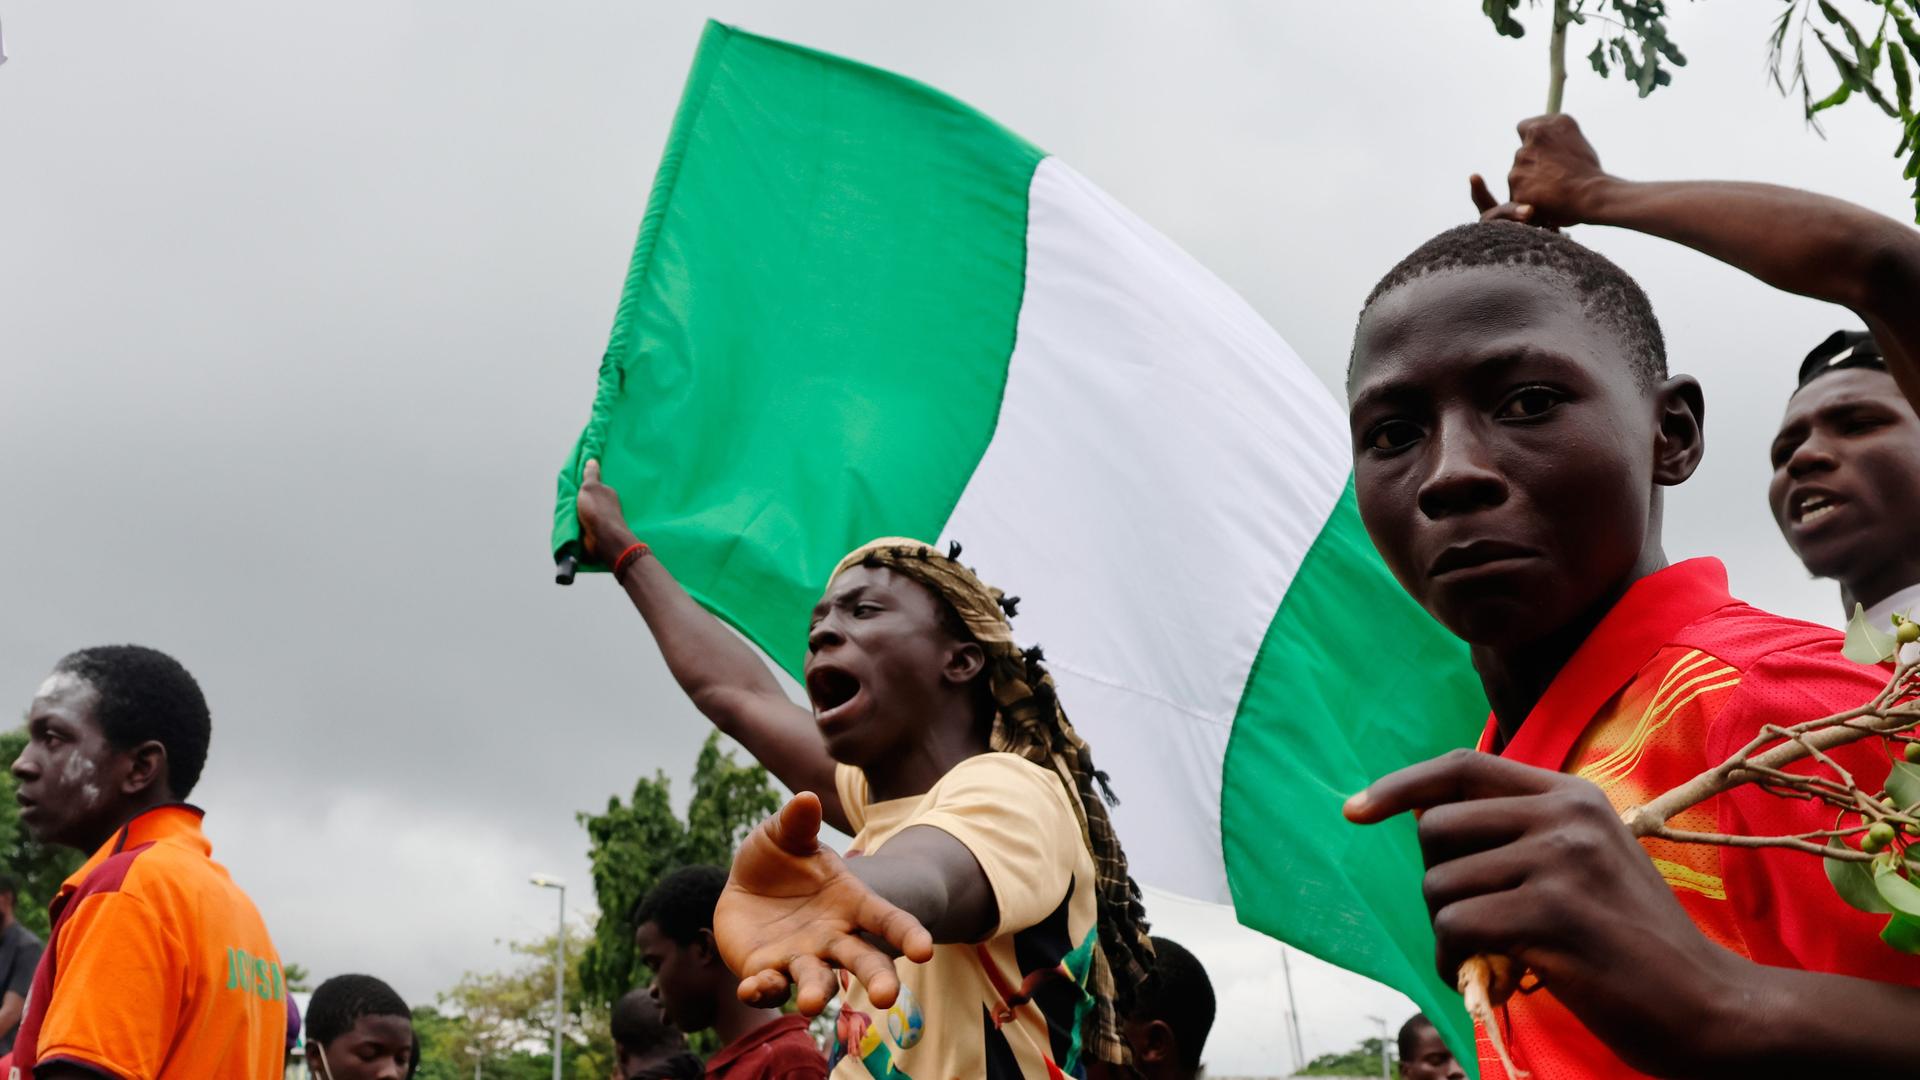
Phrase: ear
(964,663)
(1681,440)
(1158,1045)
(704,948)
(146,768)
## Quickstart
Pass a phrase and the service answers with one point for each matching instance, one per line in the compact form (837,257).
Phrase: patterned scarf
(1029,721)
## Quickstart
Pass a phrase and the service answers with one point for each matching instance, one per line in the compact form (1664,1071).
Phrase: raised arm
(1813,245)
(721,674)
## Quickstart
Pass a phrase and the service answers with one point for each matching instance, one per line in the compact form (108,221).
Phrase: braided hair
(1029,721)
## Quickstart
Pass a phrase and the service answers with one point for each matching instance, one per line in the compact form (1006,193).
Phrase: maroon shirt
(781,1050)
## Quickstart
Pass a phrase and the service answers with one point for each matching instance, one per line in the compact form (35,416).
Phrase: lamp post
(547,881)
(1386,1069)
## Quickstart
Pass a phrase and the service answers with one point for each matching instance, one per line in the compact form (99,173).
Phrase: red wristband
(627,557)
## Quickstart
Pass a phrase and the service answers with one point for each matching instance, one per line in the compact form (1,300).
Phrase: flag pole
(564,566)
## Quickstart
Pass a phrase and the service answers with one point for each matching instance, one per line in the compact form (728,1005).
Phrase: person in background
(1167,1029)
(158,965)
(673,928)
(1846,458)
(1423,1056)
(19,955)
(646,1047)
(359,1029)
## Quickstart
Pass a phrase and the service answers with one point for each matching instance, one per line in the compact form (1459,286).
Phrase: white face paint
(60,682)
(78,773)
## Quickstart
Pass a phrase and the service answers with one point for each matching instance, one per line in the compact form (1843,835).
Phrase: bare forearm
(707,660)
(941,886)
(1787,1023)
(1797,241)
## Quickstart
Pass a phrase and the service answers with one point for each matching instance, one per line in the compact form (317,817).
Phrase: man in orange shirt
(158,966)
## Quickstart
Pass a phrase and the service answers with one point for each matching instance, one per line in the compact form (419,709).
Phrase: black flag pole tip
(564,567)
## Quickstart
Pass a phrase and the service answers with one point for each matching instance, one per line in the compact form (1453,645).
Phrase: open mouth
(1808,507)
(830,688)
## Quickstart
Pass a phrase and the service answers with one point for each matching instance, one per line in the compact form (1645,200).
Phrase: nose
(824,633)
(1811,457)
(1462,477)
(26,766)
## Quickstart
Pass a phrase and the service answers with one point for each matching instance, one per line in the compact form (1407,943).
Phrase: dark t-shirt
(781,1050)
(19,955)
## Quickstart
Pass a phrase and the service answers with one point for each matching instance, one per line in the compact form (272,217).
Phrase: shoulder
(1000,775)
(1790,671)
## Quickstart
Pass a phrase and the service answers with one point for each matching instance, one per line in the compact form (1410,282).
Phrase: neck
(951,739)
(1516,677)
(1871,589)
(95,838)
(735,1019)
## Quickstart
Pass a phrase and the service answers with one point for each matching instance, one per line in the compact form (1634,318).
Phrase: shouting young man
(1846,460)
(158,965)
(981,850)
(1514,429)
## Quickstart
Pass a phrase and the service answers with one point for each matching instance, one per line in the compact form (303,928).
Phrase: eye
(864,609)
(1529,403)
(1861,424)
(1392,436)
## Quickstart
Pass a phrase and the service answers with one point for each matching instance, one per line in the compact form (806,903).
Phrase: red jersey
(781,1050)
(1677,678)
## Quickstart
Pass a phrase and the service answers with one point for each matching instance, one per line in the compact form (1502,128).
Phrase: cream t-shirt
(1016,1003)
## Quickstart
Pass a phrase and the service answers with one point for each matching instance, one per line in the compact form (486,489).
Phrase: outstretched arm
(1537,866)
(722,675)
(793,911)
(1813,245)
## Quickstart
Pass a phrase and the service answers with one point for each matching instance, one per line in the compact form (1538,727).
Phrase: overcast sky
(300,310)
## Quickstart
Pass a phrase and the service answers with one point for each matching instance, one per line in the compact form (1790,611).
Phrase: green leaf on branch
(1854,882)
(1902,84)
(1900,894)
(1598,58)
(1902,933)
(1865,644)
(1903,785)
(1501,12)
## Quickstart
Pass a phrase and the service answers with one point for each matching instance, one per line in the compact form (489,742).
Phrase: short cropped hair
(1607,293)
(341,1001)
(1410,1033)
(146,694)
(681,904)
(638,1025)
(1179,995)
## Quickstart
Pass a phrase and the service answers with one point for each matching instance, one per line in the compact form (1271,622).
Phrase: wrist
(1595,197)
(628,554)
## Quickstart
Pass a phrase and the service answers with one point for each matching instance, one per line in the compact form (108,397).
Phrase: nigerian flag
(859,308)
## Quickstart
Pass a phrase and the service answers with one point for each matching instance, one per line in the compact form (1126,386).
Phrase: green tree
(504,1020)
(1362,1060)
(298,978)
(1628,23)
(39,868)
(634,844)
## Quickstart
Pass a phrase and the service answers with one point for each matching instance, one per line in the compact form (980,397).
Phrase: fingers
(1498,871)
(1460,775)
(591,473)
(1489,924)
(796,828)
(1459,829)
(816,983)
(897,928)
(1483,199)
(872,967)
(766,990)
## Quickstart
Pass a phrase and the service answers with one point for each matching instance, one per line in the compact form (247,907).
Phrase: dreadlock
(1029,721)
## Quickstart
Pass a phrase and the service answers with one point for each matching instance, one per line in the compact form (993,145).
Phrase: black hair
(413,1059)
(9,885)
(146,694)
(1410,1032)
(1607,293)
(1181,996)
(341,1001)
(681,904)
(637,1024)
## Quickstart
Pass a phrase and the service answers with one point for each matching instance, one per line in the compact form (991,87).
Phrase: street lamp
(1386,1070)
(547,881)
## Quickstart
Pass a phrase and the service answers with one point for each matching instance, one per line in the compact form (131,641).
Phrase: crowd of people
(1514,426)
